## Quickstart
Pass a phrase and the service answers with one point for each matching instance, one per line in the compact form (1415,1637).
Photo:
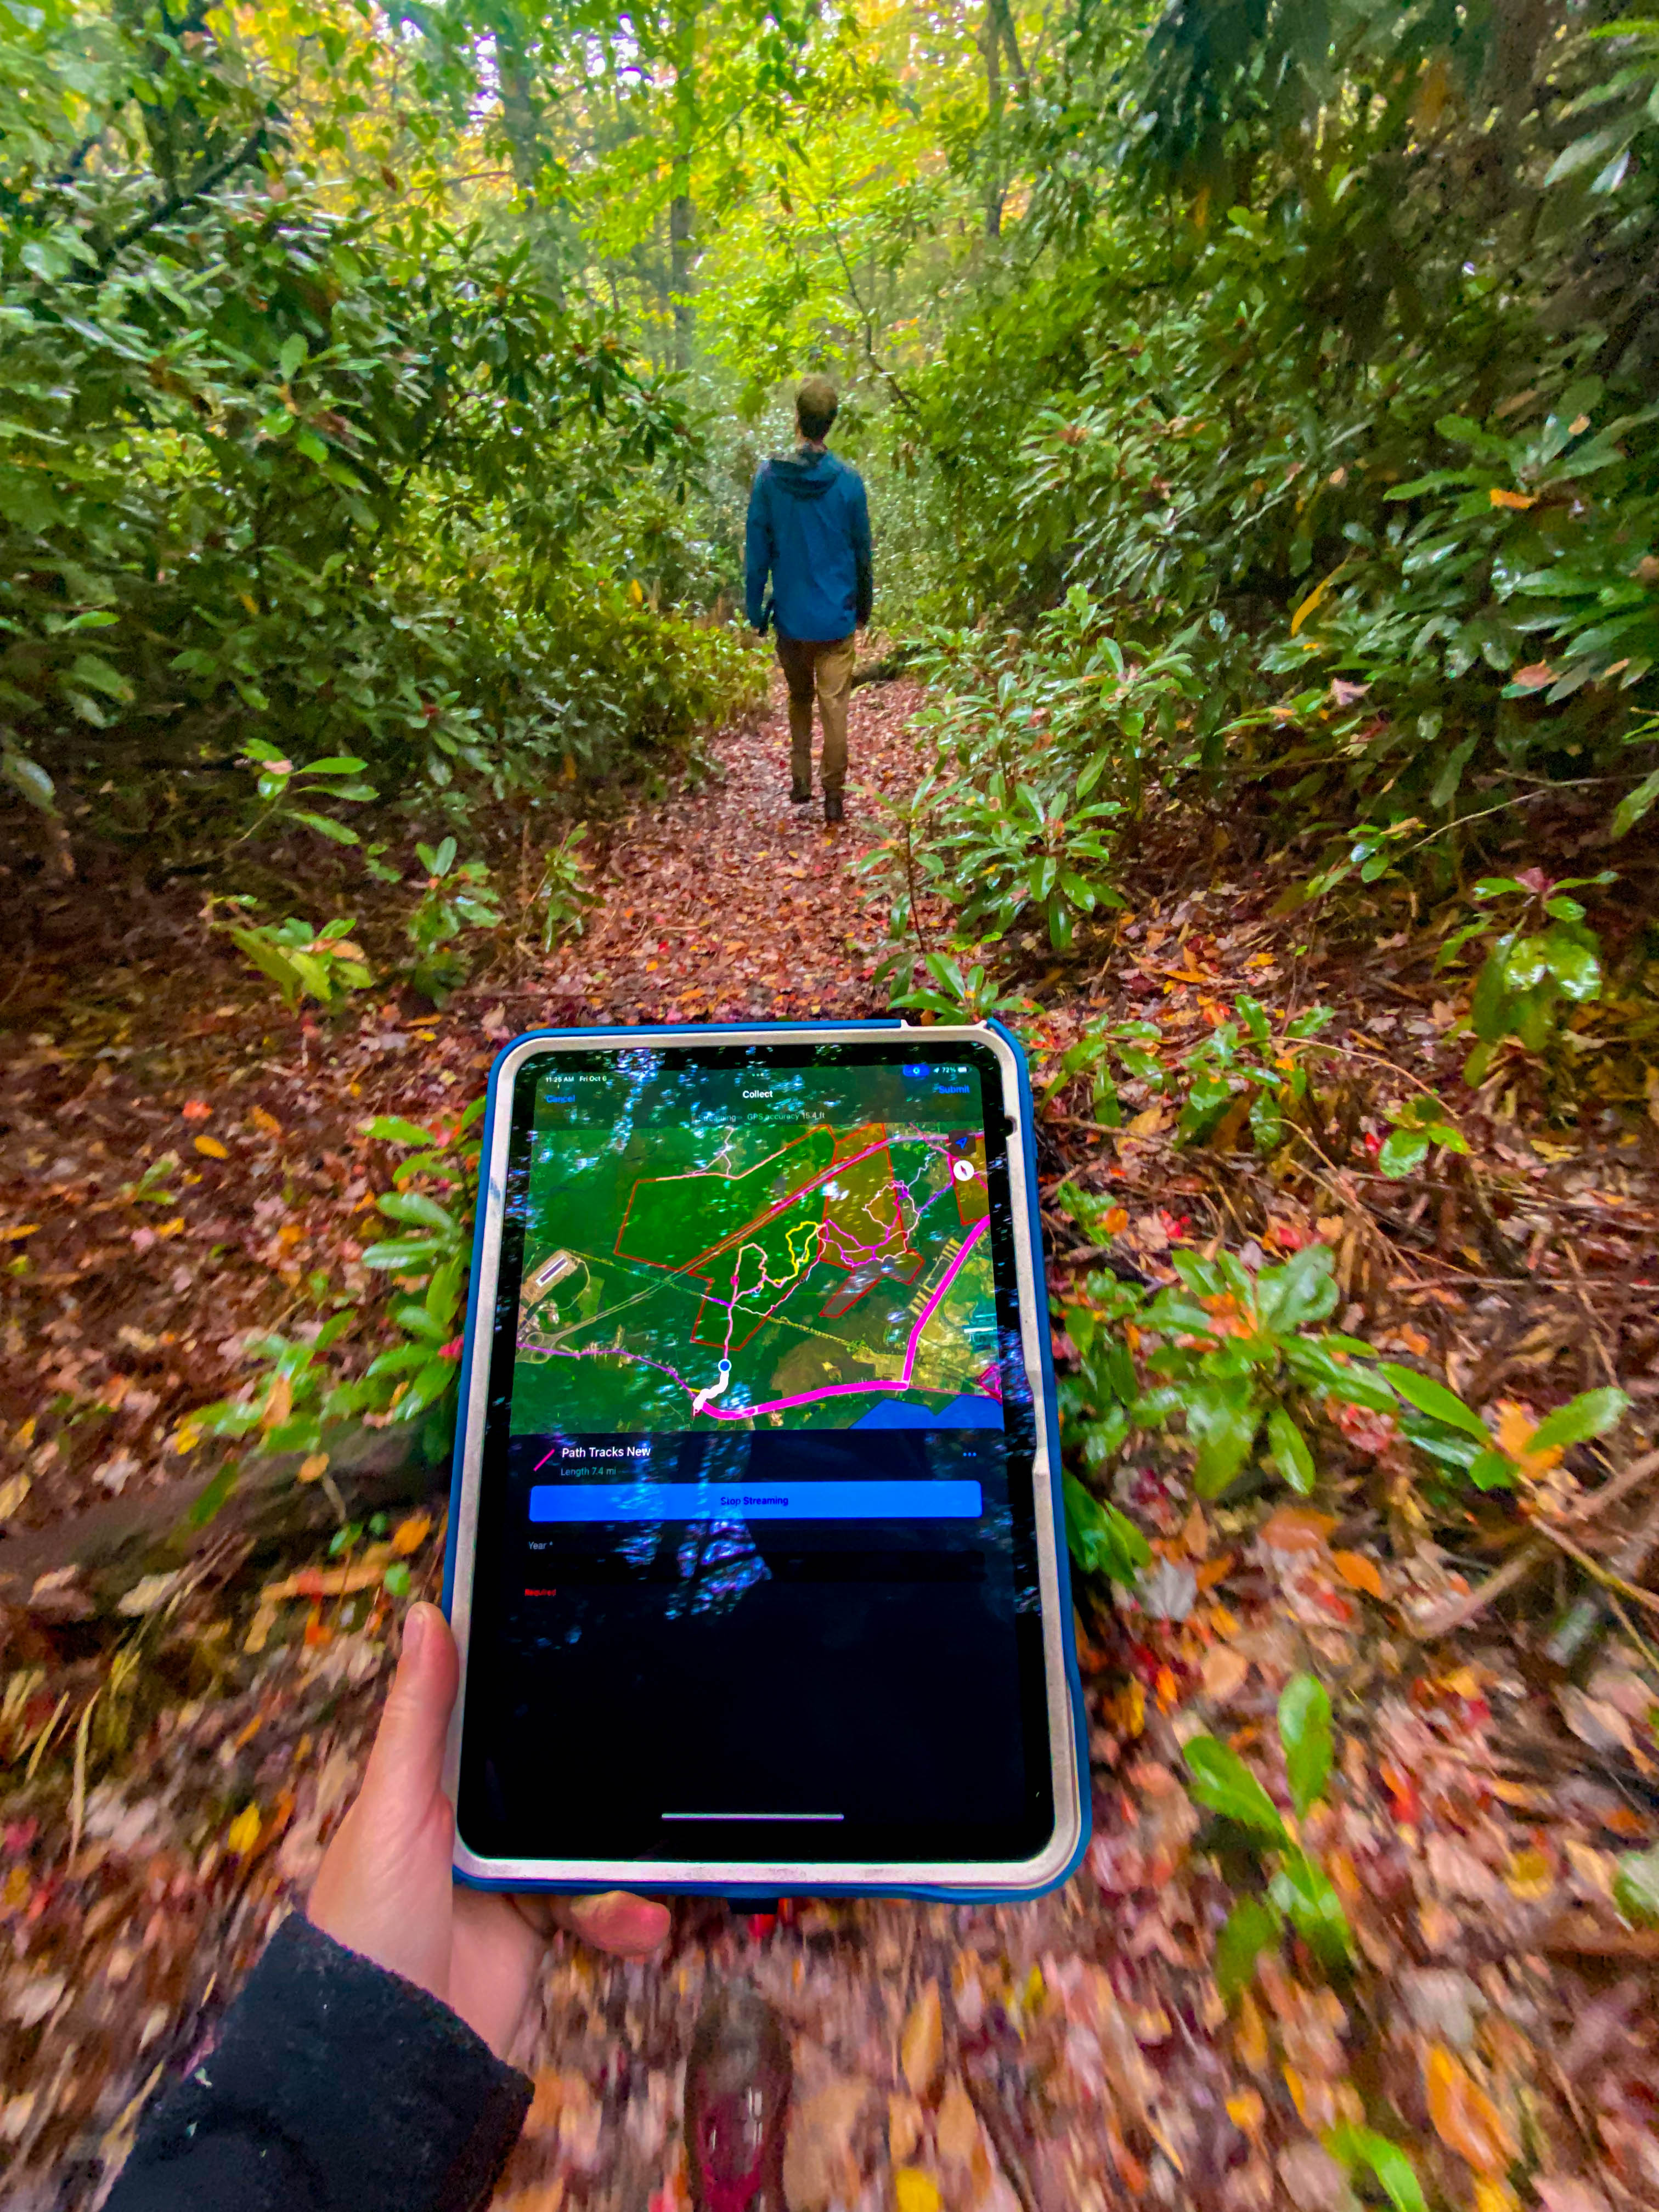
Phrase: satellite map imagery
(759,1272)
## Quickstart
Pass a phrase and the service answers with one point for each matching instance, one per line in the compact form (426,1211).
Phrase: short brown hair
(816,404)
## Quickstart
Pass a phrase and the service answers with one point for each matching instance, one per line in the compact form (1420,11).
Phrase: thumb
(406,1765)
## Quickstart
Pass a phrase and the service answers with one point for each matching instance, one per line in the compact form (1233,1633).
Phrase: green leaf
(389,1130)
(1490,1470)
(1102,1540)
(1356,2147)
(211,1495)
(1435,1399)
(414,1207)
(406,1255)
(1290,1447)
(1221,1781)
(1636,1887)
(396,1580)
(1403,1153)
(1253,1927)
(1592,1413)
(335,832)
(1302,1290)
(292,353)
(1633,805)
(1574,966)
(1305,1894)
(28,779)
(1222,1419)
(1304,1730)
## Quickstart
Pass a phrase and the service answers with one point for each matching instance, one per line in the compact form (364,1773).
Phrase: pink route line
(846,1389)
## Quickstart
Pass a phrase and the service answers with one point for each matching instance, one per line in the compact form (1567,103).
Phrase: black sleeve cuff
(333,2085)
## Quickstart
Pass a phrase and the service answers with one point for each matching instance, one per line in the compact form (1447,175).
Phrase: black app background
(767,1690)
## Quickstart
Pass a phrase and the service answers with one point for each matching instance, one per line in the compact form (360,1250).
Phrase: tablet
(756,1559)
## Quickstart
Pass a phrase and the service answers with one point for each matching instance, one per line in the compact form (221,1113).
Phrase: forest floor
(181,1727)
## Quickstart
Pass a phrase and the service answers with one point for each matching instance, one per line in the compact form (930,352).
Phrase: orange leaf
(409,1535)
(1293,1528)
(211,1148)
(1465,2118)
(266,1123)
(1359,1572)
(1519,499)
(197,1110)
(1534,676)
(1516,1431)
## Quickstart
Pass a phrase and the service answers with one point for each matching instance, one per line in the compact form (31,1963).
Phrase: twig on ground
(1458,1612)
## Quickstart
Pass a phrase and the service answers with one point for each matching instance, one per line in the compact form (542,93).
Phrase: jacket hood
(804,475)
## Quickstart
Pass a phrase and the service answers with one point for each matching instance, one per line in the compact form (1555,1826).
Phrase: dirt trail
(728,901)
(1073,2056)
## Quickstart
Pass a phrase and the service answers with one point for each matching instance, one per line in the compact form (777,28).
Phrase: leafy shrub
(456,898)
(1249,1070)
(564,892)
(1538,966)
(1236,1355)
(299,1401)
(302,962)
(312,467)
(1039,745)
(1300,1891)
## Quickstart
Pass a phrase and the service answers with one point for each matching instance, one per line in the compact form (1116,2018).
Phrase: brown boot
(738,2083)
(801,794)
(833,809)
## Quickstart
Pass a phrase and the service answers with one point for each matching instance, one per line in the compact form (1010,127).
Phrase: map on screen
(803,1275)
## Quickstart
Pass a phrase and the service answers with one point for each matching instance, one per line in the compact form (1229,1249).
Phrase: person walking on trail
(809,529)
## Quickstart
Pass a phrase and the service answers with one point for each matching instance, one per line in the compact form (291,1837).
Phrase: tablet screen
(756,1574)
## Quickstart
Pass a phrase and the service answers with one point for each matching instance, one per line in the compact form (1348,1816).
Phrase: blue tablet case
(782,1031)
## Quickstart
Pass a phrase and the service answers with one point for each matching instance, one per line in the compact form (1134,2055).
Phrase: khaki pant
(828,667)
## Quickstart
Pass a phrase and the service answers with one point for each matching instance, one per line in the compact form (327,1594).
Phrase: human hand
(385,1888)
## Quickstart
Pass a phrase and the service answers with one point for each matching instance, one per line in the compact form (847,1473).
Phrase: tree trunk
(520,117)
(990,44)
(682,208)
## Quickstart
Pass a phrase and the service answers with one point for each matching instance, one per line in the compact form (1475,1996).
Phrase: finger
(406,1764)
(617,1921)
(493,1965)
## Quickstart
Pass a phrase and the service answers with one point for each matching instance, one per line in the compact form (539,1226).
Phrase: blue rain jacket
(809,527)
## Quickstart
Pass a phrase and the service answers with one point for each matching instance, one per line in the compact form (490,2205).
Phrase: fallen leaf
(1359,1572)
(818,2168)
(1247,2111)
(1519,500)
(922,2046)
(13,1491)
(244,1830)
(409,1535)
(1224,1671)
(18,1231)
(212,1149)
(1297,1529)
(147,1593)
(1529,1874)
(915,2190)
(313,1468)
(1465,2118)
(957,2130)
